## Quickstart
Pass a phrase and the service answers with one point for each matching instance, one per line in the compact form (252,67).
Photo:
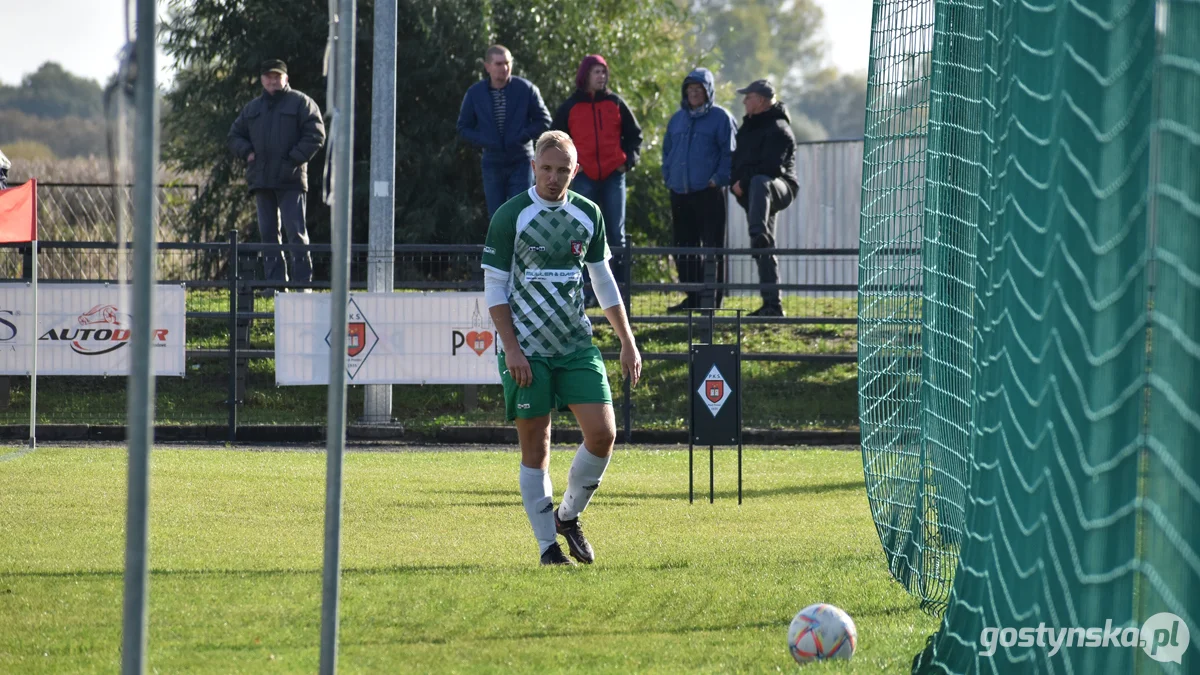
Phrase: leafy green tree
(52,92)
(218,47)
(65,137)
(649,50)
(762,38)
(837,102)
(439,195)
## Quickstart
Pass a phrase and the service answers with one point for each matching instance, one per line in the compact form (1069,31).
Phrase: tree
(649,50)
(439,196)
(54,108)
(837,102)
(760,38)
(218,47)
(52,92)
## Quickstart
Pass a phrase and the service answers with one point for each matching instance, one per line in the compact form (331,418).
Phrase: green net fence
(1030,328)
(890,283)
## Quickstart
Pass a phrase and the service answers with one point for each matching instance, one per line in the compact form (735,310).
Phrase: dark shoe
(767,310)
(581,550)
(555,556)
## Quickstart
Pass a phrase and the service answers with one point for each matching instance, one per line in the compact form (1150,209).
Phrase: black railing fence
(799,369)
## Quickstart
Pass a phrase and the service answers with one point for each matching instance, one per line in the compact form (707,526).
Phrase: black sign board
(716,392)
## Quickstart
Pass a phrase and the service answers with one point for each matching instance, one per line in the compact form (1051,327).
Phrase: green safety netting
(1030,321)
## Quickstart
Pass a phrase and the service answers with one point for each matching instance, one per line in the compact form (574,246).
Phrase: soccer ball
(821,632)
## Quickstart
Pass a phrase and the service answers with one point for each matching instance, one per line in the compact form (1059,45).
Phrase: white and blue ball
(821,632)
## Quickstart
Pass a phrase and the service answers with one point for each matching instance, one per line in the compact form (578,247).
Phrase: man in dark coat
(764,178)
(277,134)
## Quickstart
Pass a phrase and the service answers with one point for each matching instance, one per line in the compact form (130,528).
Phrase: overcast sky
(84,36)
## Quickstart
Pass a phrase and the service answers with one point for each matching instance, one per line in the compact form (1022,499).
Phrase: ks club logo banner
(360,339)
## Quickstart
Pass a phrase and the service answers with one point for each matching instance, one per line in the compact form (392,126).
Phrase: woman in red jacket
(609,141)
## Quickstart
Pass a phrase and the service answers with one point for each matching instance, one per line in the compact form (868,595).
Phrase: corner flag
(18,214)
(18,224)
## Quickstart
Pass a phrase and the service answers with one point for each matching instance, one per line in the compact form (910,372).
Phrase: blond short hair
(556,139)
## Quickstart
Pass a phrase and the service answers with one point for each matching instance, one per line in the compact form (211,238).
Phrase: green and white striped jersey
(543,246)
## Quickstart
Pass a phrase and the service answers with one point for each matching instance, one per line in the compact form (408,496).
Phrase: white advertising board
(393,338)
(84,329)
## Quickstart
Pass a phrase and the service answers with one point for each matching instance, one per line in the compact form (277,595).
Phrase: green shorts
(558,381)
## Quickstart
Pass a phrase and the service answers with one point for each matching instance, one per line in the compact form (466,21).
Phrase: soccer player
(537,245)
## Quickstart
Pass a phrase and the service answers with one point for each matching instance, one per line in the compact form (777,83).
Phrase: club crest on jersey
(577,248)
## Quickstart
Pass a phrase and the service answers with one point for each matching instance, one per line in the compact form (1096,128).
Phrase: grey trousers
(287,206)
(763,199)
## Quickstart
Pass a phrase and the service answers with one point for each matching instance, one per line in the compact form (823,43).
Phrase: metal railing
(230,270)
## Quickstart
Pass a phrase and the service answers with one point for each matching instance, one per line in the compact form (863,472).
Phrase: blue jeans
(609,195)
(502,182)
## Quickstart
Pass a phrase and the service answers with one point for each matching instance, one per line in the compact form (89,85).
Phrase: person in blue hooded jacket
(504,115)
(697,154)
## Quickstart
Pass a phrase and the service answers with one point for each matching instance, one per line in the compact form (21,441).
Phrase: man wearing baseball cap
(277,134)
(763,178)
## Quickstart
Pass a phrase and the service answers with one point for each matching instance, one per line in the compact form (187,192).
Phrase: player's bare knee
(600,441)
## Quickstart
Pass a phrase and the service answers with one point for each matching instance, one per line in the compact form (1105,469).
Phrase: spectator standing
(504,115)
(609,142)
(5,165)
(277,134)
(764,178)
(697,154)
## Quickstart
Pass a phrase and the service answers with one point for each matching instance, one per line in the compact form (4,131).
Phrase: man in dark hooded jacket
(764,179)
(697,151)
(277,134)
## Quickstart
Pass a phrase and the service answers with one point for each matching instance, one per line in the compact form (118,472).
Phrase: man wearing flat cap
(277,134)
(763,178)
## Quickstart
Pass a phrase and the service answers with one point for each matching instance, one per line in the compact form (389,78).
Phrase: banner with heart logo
(392,338)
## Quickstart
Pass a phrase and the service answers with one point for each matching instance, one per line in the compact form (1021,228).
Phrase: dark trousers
(763,199)
(502,182)
(698,220)
(286,206)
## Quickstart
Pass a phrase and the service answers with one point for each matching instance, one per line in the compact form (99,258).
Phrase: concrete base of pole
(377,404)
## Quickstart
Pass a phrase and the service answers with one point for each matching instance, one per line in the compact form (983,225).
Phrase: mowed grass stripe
(440,567)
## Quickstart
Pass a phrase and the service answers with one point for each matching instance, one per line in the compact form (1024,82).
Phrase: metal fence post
(233,336)
(627,404)
(708,295)
(245,305)
(27,262)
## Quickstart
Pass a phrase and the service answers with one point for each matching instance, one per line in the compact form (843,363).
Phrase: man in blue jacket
(504,115)
(697,154)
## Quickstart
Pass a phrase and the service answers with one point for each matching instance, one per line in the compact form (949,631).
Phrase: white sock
(538,497)
(586,473)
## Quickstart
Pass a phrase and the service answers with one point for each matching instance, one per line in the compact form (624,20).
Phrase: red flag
(18,213)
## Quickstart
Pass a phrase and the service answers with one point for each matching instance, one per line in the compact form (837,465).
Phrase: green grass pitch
(440,568)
